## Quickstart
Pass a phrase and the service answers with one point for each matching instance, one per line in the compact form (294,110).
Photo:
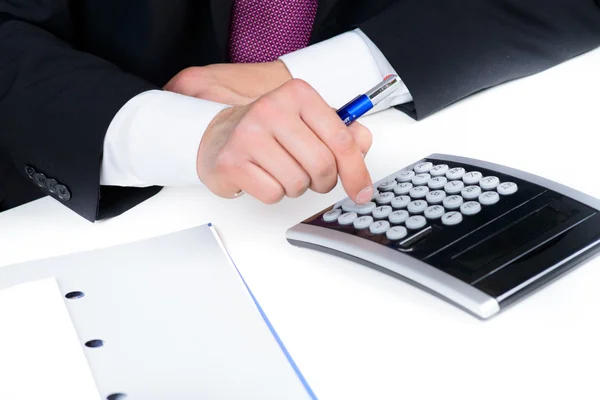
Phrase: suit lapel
(221,15)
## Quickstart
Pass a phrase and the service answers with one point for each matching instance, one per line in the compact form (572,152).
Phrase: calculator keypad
(426,194)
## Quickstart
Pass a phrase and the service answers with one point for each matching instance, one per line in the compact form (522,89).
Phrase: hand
(234,84)
(282,144)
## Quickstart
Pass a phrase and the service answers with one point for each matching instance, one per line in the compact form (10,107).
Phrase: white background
(359,334)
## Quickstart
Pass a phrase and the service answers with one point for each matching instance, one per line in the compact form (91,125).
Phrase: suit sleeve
(56,103)
(446,50)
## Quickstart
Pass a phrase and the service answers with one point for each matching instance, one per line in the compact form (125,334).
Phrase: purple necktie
(264,30)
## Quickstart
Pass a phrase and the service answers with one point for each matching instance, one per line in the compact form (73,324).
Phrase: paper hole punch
(117,396)
(74,295)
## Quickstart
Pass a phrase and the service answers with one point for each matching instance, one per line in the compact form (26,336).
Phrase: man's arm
(56,104)
(447,50)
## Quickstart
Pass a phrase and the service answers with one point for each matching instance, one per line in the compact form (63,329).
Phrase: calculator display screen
(510,239)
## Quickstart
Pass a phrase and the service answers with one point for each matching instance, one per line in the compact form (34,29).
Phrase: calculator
(481,236)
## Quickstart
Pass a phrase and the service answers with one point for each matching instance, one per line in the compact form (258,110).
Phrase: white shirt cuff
(343,67)
(154,140)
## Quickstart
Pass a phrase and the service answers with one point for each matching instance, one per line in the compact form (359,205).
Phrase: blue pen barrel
(355,109)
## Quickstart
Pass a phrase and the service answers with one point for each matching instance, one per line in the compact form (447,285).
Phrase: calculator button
(435,197)
(398,217)
(471,178)
(438,182)
(419,192)
(384,198)
(489,198)
(420,179)
(351,206)
(403,188)
(396,233)
(423,167)
(387,185)
(347,218)
(416,222)
(507,188)
(332,215)
(455,173)
(489,182)
(382,212)
(417,206)
(434,212)
(439,170)
(452,202)
(454,187)
(379,227)
(470,192)
(400,201)
(470,208)
(363,222)
(405,176)
(452,218)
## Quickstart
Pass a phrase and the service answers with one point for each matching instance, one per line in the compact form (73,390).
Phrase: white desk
(359,334)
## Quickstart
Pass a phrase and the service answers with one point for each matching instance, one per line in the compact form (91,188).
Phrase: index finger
(332,131)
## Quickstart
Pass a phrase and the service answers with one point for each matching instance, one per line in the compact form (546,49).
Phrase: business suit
(69,66)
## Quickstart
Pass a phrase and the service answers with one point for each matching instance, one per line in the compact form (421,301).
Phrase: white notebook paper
(40,354)
(176,319)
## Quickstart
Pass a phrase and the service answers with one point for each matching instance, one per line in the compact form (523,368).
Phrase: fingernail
(365,195)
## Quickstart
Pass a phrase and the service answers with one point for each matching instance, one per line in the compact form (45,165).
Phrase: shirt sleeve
(343,67)
(154,140)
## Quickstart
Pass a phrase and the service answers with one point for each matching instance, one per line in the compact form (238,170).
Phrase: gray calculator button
(366,208)
(439,170)
(416,222)
(470,208)
(332,215)
(452,202)
(400,201)
(417,206)
(434,212)
(384,198)
(423,167)
(420,179)
(387,185)
(396,233)
(437,182)
(379,227)
(471,192)
(489,198)
(452,218)
(435,197)
(419,192)
(455,173)
(507,188)
(398,217)
(454,187)
(405,176)
(347,218)
(363,222)
(382,212)
(403,188)
(489,182)
(471,178)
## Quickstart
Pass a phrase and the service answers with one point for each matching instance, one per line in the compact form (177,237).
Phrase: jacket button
(63,193)
(39,179)
(51,185)
(30,171)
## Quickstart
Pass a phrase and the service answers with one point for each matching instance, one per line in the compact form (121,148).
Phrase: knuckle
(344,142)
(298,186)
(299,87)
(226,161)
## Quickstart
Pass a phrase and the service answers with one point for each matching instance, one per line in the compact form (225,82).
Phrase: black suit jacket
(67,67)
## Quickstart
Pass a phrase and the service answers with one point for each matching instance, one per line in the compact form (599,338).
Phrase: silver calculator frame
(440,283)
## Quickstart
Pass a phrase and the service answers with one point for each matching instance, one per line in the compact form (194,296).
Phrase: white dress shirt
(154,138)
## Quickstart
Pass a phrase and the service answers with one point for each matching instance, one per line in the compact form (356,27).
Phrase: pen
(360,105)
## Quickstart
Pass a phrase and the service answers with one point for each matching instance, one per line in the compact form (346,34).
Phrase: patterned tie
(264,30)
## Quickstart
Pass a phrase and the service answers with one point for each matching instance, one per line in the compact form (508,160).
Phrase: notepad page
(40,353)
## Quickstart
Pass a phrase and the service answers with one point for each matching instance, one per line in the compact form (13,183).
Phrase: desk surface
(359,334)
